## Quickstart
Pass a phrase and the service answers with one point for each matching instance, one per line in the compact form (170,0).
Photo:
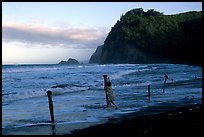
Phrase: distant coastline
(40,64)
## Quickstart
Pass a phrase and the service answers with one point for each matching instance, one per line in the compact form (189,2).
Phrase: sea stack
(70,61)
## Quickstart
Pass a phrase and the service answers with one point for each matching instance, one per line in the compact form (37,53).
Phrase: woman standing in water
(111,97)
(109,92)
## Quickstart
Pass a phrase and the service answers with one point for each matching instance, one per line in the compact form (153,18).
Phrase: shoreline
(185,120)
(165,119)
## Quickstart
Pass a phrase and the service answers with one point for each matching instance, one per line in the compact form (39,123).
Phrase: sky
(48,32)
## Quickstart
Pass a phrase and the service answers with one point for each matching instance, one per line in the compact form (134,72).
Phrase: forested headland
(152,37)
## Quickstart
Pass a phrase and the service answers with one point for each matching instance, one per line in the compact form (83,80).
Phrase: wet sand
(165,120)
(187,120)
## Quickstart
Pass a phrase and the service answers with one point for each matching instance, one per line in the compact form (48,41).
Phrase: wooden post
(164,85)
(149,92)
(49,94)
(165,78)
(105,85)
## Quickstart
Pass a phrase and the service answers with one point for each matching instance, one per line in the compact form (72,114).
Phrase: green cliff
(151,37)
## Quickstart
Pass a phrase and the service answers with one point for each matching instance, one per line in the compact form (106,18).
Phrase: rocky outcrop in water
(70,61)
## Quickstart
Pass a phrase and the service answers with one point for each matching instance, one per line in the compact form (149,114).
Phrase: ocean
(79,97)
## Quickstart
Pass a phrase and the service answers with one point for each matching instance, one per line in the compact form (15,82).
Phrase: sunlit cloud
(23,53)
(79,38)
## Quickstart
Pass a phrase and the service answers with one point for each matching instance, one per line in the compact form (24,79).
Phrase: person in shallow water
(110,94)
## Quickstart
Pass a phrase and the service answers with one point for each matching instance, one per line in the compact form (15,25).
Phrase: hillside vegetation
(151,37)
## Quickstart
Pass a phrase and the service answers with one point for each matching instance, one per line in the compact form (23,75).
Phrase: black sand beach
(187,120)
(164,120)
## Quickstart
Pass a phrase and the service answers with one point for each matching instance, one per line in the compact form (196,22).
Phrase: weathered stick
(165,78)
(149,92)
(49,94)
(105,85)
(164,85)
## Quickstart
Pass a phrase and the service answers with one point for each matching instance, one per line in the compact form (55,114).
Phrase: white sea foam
(121,74)
(24,95)
(39,93)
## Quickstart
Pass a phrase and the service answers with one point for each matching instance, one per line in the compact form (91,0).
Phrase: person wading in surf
(110,95)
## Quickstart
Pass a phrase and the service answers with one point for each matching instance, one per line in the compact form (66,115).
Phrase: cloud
(79,38)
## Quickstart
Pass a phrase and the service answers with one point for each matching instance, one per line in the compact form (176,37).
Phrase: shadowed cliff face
(96,57)
(151,37)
